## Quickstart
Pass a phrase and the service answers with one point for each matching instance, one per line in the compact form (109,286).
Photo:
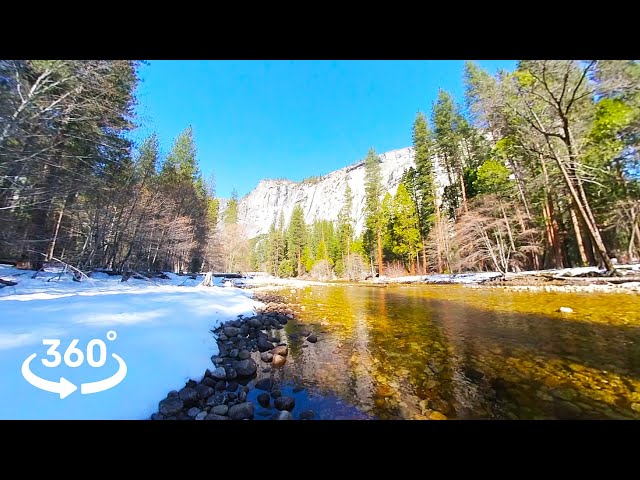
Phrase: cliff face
(321,198)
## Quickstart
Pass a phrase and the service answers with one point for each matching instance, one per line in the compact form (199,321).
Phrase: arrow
(107,383)
(64,387)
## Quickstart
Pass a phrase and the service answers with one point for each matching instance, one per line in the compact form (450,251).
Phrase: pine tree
(231,213)
(405,231)
(373,206)
(296,238)
(345,224)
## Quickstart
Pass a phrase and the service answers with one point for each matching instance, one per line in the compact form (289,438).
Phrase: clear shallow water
(417,352)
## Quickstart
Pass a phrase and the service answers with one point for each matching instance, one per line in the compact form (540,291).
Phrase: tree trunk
(379,253)
(578,234)
(55,234)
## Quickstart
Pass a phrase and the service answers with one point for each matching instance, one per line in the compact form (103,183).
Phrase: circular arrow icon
(65,388)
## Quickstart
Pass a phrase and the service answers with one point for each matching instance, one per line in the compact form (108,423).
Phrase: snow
(163,335)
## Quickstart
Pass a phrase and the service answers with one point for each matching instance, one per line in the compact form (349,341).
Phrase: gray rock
(193,412)
(312,338)
(217,360)
(276,394)
(204,391)
(264,345)
(217,399)
(278,361)
(213,416)
(266,357)
(209,382)
(231,373)
(191,384)
(254,322)
(222,337)
(264,384)
(283,320)
(241,411)
(201,416)
(220,410)
(264,399)
(170,406)
(285,403)
(234,353)
(172,393)
(242,396)
(219,373)
(274,339)
(246,368)
(157,416)
(307,415)
(280,350)
(244,354)
(231,396)
(232,387)
(283,415)
(220,386)
(188,396)
(266,370)
(231,331)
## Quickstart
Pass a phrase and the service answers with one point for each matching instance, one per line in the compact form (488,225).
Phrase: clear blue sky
(293,119)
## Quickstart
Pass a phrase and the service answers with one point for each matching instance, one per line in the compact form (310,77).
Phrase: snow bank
(162,335)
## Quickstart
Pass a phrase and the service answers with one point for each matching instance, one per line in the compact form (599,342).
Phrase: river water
(449,351)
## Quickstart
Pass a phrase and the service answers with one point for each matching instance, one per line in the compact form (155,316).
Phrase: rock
(217,360)
(264,345)
(565,310)
(285,403)
(193,411)
(222,337)
(219,373)
(158,416)
(307,415)
(242,396)
(324,324)
(305,346)
(293,336)
(172,393)
(209,382)
(213,400)
(234,353)
(254,322)
(283,415)
(278,361)
(473,374)
(276,394)
(188,396)
(231,396)
(266,370)
(280,350)
(170,406)
(220,386)
(213,416)
(246,368)
(231,331)
(244,354)
(297,389)
(305,333)
(241,411)
(312,338)
(220,410)
(204,391)
(264,399)
(231,373)
(264,384)
(232,387)
(266,357)
(274,340)
(201,416)
(191,384)
(436,416)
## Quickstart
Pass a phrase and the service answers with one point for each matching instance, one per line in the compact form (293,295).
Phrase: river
(454,352)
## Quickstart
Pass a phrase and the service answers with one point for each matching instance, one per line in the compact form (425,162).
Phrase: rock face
(322,198)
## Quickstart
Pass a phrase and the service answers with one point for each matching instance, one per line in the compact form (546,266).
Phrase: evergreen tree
(373,206)
(296,238)
(231,213)
(405,231)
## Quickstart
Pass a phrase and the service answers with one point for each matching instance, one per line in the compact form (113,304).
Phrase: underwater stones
(565,310)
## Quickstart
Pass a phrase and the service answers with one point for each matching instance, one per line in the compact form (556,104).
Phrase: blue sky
(292,119)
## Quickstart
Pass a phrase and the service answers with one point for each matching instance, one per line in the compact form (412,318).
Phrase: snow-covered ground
(162,335)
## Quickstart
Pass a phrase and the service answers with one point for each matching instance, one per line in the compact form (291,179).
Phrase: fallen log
(7,283)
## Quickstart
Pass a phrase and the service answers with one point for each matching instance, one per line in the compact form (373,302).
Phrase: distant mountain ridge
(321,197)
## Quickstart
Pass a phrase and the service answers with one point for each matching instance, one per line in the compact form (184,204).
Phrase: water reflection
(427,352)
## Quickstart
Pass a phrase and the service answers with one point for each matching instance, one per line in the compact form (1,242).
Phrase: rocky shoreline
(244,344)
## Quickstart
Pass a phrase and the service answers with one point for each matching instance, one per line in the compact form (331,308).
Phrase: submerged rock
(264,399)
(241,411)
(285,403)
(565,310)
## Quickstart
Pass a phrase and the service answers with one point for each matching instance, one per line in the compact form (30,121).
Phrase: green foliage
(404,231)
(231,213)
(296,238)
(285,269)
(493,178)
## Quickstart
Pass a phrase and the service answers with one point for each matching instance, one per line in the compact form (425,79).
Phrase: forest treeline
(541,167)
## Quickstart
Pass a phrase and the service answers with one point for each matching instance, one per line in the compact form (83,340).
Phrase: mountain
(320,197)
